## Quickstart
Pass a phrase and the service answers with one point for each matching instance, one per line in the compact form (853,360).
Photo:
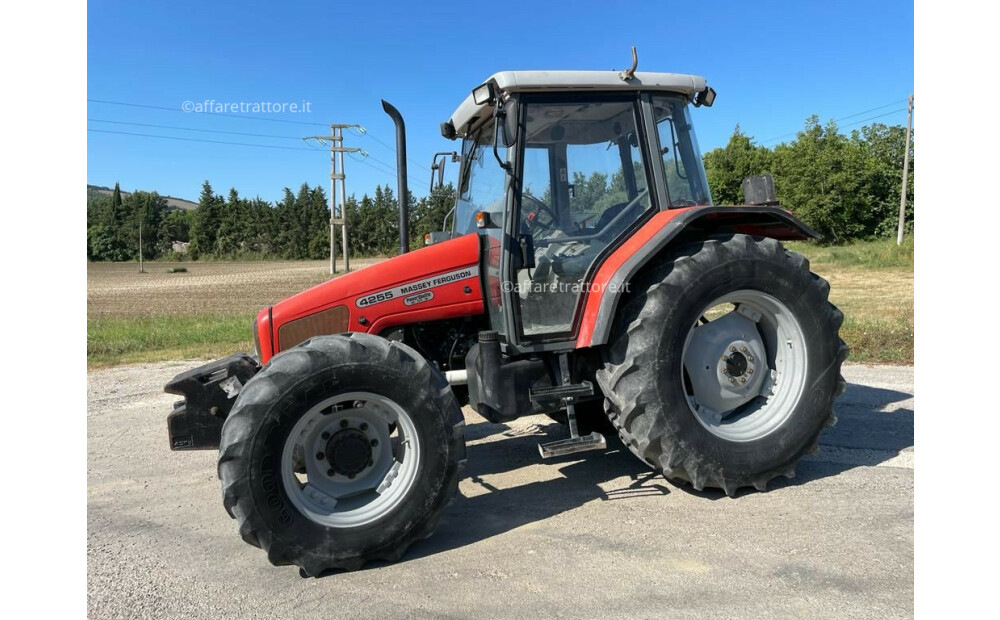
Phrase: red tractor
(586,274)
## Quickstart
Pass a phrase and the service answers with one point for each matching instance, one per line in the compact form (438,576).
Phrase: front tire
(742,400)
(342,450)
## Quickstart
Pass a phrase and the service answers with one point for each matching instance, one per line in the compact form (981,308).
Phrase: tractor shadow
(491,511)
(869,431)
(866,432)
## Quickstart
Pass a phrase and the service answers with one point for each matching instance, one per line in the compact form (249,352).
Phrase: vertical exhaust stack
(404,219)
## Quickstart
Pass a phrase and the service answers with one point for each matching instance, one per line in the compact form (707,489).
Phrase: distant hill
(172,202)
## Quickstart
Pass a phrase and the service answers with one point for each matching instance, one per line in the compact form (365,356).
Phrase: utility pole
(343,199)
(140,246)
(906,172)
(142,218)
(337,150)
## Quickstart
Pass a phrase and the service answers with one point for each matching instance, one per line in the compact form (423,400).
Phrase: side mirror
(705,98)
(507,125)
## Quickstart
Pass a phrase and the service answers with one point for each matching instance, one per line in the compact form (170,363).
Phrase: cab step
(558,393)
(593,441)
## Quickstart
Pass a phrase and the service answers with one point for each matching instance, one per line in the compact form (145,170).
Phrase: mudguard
(656,235)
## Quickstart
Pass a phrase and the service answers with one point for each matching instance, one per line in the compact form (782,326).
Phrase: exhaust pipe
(404,220)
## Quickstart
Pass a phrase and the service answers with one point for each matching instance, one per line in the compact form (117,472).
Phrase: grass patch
(877,254)
(118,340)
(206,313)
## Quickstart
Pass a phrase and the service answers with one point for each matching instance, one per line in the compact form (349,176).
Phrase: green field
(206,312)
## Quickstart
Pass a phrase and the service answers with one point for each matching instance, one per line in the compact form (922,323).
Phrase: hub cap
(744,365)
(350,459)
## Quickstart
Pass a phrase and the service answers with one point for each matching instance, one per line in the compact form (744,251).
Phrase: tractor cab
(557,168)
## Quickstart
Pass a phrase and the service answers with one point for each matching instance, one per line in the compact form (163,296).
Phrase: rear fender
(655,238)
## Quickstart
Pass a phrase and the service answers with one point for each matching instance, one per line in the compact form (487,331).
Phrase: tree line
(232,227)
(843,186)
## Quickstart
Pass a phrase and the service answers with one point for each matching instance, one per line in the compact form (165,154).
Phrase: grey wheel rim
(744,365)
(350,460)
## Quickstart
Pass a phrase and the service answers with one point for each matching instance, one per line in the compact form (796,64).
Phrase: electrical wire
(149,135)
(232,133)
(844,118)
(224,114)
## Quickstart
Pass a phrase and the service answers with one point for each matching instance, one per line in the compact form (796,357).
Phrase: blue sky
(772,63)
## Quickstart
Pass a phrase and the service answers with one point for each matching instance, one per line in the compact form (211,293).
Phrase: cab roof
(468,113)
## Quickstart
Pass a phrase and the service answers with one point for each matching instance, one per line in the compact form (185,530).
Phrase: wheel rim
(744,365)
(350,459)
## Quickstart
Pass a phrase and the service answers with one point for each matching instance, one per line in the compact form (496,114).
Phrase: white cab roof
(521,81)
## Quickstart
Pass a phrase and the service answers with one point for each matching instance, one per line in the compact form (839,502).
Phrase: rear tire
(364,499)
(650,397)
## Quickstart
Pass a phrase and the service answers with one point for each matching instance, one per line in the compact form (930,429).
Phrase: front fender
(655,237)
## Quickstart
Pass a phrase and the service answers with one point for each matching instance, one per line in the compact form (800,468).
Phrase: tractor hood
(436,282)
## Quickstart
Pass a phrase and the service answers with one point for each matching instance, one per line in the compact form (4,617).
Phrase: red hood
(434,282)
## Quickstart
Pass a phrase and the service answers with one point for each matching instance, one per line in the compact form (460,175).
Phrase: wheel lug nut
(743,380)
(750,371)
(343,424)
(749,358)
(320,456)
(374,442)
(325,435)
(732,349)
(744,349)
(732,380)
(364,426)
(330,472)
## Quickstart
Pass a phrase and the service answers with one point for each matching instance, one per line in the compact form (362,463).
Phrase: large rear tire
(342,450)
(730,402)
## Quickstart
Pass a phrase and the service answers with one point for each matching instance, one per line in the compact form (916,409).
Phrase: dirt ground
(119,290)
(586,536)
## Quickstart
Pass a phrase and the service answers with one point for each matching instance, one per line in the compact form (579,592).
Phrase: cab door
(584,185)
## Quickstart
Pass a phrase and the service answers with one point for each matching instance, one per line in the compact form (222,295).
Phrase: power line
(224,114)
(233,133)
(362,131)
(265,146)
(149,135)
(387,169)
(874,117)
(844,118)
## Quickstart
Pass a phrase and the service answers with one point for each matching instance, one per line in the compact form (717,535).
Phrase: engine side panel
(436,282)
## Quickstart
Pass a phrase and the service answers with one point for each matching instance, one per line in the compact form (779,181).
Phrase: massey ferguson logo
(417,292)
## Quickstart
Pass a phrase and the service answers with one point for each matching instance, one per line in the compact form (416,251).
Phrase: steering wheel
(539,207)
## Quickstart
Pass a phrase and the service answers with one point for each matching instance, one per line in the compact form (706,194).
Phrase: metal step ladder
(566,394)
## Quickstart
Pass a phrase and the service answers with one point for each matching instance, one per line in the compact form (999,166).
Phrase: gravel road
(591,535)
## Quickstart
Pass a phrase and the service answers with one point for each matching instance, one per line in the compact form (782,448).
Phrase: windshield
(682,165)
(483,181)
